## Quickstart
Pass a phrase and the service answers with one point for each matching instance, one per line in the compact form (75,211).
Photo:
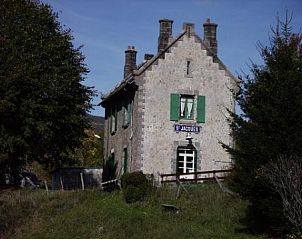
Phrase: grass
(205,213)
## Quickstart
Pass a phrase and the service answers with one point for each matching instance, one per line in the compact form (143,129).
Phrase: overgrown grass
(205,213)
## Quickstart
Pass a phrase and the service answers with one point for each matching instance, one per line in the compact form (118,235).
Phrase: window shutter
(115,119)
(110,121)
(174,107)
(129,111)
(125,160)
(201,109)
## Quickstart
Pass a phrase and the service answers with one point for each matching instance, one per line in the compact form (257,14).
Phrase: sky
(106,27)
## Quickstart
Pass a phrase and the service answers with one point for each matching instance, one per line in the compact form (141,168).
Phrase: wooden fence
(195,177)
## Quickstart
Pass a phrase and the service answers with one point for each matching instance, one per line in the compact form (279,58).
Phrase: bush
(135,186)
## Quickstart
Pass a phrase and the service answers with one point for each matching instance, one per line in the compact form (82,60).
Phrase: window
(188,68)
(187,107)
(186,161)
(125,157)
(127,110)
(110,167)
(113,120)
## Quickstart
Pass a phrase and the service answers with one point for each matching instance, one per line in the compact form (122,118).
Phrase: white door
(186,162)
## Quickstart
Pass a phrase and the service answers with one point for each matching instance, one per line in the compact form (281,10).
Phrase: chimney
(165,32)
(148,57)
(189,28)
(130,60)
(210,35)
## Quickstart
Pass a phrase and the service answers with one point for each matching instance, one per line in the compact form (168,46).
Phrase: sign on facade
(187,128)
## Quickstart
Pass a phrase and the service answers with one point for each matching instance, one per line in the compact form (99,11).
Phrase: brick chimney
(130,60)
(210,35)
(165,32)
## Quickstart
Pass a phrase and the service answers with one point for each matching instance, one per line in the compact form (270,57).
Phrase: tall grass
(204,213)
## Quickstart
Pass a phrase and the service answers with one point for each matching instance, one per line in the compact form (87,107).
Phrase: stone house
(169,113)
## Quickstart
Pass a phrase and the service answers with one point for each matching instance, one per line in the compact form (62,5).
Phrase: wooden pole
(82,181)
(62,188)
(46,186)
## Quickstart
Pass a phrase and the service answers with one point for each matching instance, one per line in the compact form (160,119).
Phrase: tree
(90,153)
(42,100)
(285,176)
(270,123)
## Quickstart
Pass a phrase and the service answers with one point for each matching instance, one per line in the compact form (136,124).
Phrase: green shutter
(123,115)
(201,109)
(129,111)
(110,120)
(125,160)
(174,107)
(115,119)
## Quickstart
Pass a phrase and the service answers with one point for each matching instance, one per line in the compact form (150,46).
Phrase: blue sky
(106,27)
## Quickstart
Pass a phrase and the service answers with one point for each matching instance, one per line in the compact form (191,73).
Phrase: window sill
(125,126)
(187,121)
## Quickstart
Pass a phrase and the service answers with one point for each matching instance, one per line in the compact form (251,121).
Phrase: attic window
(189,66)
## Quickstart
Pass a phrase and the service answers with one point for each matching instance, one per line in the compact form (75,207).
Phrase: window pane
(190,165)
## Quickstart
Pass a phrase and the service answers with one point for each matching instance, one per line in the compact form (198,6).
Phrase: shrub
(135,186)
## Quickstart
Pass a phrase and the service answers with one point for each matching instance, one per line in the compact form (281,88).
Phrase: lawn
(205,212)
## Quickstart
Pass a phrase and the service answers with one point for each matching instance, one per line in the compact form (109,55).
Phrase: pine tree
(42,100)
(270,124)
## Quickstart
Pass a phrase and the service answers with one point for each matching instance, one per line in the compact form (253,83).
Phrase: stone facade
(187,67)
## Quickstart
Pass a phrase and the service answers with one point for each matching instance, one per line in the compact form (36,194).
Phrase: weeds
(205,213)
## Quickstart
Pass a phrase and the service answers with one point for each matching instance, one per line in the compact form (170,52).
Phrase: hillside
(206,213)
(97,122)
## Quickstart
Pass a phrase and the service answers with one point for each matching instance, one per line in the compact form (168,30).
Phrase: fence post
(62,188)
(82,181)
(46,186)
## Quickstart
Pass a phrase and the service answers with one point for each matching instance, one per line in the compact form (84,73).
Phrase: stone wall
(159,139)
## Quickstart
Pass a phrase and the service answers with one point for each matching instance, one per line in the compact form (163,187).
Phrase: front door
(186,162)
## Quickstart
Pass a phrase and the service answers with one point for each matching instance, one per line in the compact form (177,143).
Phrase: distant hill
(97,122)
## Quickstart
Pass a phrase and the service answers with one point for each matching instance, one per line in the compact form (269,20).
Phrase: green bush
(135,186)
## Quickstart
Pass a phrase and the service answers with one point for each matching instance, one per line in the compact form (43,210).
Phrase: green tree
(90,153)
(42,100)
(270,124)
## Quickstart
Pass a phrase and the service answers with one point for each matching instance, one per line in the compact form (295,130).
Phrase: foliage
(207,213)
(270,123)
(42,100)
(285,176)
(135,186)
(90,153)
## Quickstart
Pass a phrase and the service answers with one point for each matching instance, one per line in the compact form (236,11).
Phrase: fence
(76,178)
(195,177)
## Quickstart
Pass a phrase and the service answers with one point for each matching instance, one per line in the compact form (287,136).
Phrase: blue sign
(186,128)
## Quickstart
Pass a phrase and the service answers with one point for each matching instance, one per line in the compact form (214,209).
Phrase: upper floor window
(187,107)
(113,120)
(127,111)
